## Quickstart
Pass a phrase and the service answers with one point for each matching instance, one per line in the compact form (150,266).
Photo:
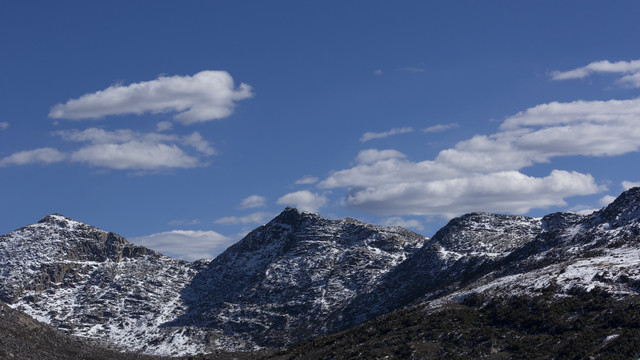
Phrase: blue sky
(183,125)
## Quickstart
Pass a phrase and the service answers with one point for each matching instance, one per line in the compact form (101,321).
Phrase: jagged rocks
(301,275)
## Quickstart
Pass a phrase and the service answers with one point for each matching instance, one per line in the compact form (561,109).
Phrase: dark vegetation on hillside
(582,325)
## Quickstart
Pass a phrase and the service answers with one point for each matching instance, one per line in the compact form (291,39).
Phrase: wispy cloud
(440,128)
(304,200)
(380,135)
(4,125)
(253,201)
(417,69)
(186,244)
(205,96)
(630,69)
(41,156)
(164,126)
(183,222)
(255,218)
(306,180)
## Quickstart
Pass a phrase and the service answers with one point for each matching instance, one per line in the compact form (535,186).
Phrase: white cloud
(307,180)
(598,67)
(511,192)
(411,69)
(631,69)
(303,200)
(371,156)
(378,72)
(186,244)
(183,222)
(255,218)
(626,185)
(408,224)
(126,149)
(371,135)
(42,155)
(205,96)
(606,200)
(4,125)
(466,177)
(440,128)
(196,141)
(164,126)
(253,201)
(135,155)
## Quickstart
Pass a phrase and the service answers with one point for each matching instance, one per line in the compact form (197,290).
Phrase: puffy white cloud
(126,149)
(389,171)
(255,218)
(371,135)
(626,185)
(42,155)
(575,112)
(186,244)
(306,180)
(440,128)
(253,201)
(4,125)
(205,96)
(135,155)
(371,156)
(304,200)
(384,182)
(511,192)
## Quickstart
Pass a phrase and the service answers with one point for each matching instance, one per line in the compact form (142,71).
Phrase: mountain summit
(301,276)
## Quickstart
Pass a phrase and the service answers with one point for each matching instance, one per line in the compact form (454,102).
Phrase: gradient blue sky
(183,125)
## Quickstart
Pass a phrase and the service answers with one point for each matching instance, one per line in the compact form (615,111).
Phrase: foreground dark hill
(24,338)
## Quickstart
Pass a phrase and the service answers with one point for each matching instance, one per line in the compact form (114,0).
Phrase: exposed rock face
(93,283)
(301,275)
(284,280)
(276,286)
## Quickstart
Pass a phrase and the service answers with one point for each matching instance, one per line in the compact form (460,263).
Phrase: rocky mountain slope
(277,286)
(495,286)
(92,283)
(302,276)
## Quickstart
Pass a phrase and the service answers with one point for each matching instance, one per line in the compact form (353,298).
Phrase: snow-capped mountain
(94,283)
(276,286)
(301,275)
(284,280)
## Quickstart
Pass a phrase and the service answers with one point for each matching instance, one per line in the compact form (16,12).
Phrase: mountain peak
(59,220)
(622,210)
(289,216)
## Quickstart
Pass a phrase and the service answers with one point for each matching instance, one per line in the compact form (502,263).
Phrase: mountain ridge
(301,276)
